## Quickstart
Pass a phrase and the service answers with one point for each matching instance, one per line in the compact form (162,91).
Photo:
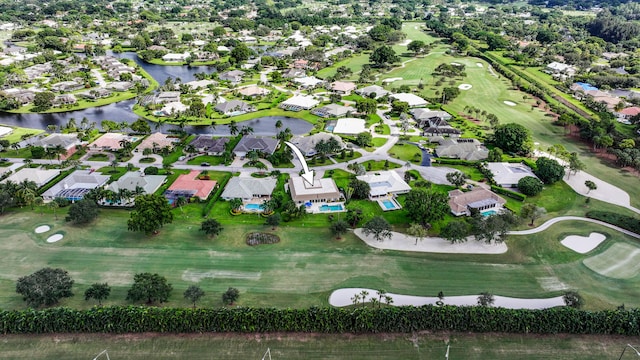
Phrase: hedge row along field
(134,319)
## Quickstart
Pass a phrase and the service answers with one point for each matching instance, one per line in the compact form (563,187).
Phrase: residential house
(558,67)
(424,114)
(205,144)
(76,185)
(119,85)
(134,180)
(374,91)
(253,91)
(465,149)
(479,198)
(188,186)
(508,174)
(342,87)
(384,184)
(307,144)
(300,64)
(349,126)
(332,110)
(233,107)
(307,82)
(173,57)
(66,86)
(156,141)
(436,126)
(201,84)
(23,97)
(249,188)
(109,142)
(39,176)
(294,73)
(411,99)
(628,113)
(322,191)
(64,99)
(164,97)
(68,142)
(299,102)
(265,145)
(233,76)
(95,93)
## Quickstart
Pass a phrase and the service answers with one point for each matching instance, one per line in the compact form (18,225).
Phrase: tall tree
(150,214)
(383,56)
(338,228)
(590,185)
(45,287)
(418,231)
(455,231)
(549,170)
(150,288)
(230,296)
(379,227)
(82,212)
(457,178)
(426,205)
(513,138)
(531,211)
(98,292)
(211,227)
(193,294)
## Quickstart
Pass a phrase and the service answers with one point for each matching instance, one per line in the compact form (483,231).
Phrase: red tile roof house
(629,112)
(191,186)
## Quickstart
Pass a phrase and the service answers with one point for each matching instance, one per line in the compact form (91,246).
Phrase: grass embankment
(304,115)
(18,132)
(315,346)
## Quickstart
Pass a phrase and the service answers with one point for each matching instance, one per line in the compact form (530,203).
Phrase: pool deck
(315,208)
(397,205)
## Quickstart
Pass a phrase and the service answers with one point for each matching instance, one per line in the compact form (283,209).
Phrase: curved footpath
(404,242)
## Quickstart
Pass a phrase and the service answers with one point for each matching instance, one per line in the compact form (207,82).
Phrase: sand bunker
(479,65)
(54,238)
(464,86)
(42,229)
(582,244)
(510,103)
(391,80)
(405,43)
(342,297)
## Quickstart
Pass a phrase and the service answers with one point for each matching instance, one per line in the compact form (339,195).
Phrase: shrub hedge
(137,319)
(509,193)
(626,222)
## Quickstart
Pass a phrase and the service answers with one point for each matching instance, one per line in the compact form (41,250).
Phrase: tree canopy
(150,288)
(82,212)
(151,213)
(549,170)
(379,227)
(230,296)
(426,205)
(530,185)
(383,56)
(98,292)
(45,287)
(513,138)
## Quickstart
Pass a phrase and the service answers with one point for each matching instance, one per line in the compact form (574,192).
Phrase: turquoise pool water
(330,128)
(388,204)
(331,207)
(489,213)
(253,207)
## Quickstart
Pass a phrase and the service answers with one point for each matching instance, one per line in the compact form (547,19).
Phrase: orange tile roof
(190,181)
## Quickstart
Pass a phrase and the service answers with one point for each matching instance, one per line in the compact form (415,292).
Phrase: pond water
(122,111)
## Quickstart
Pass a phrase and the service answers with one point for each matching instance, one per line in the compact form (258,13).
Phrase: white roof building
(76,185)
(384,183)
(39,176)
(508,174)
(300,102)
(170,57)
(132,179)
(323,190)
(373,89)
(5,131)
(349,126)
(411,99)
(247,188)
(308,81)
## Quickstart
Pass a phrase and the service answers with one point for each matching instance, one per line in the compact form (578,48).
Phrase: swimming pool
(253,207)
(326,207)
(388,204)
(330,128)
(489,213)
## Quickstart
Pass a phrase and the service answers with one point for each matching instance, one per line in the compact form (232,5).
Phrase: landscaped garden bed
(258,238)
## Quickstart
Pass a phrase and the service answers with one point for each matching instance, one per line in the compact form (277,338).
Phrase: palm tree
(181,201)
(278,124)
(114,165)
(16,147)
(213,126)
(235,204)
(125,145)
(233,128)
(54,206)
(160,123)
(58,150)
(246,130)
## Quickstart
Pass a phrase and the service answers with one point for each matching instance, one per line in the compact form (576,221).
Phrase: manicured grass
(305,115)
(98,157)
(212,160)
(379,165)
(315,346)
(18,132)
(406,152)
(115,174)
(354,63)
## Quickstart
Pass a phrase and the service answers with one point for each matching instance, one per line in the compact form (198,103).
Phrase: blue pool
(326,207)
(330,128)
(253,207)
(388,204)
(489,213)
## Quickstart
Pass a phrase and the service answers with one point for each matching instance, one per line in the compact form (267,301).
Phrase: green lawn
(406,152)
(354,63)
(300,271)
(315,346)
(18,132)
(212,160)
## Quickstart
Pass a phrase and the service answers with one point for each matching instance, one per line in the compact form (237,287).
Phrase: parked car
(204,164)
